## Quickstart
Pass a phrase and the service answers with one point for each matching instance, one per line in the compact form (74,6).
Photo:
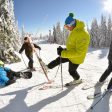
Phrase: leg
(3,79)
(10,82)
(110,85)
(56,62)
(12,75)
(106,73)
(73,70)
(30,64)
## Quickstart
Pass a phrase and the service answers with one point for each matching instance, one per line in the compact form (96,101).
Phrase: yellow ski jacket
(77,44)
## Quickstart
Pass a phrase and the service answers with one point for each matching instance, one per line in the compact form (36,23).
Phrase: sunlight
(108,5)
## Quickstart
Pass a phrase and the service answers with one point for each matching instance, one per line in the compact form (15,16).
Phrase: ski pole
(61,72)
(108,88)
(39,53)
(41,64)
(57,71)
(99,99)
(23,61)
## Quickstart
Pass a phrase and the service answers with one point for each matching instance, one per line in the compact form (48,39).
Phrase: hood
(79,24)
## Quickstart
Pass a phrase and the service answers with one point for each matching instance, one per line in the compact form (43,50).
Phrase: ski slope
(25,96)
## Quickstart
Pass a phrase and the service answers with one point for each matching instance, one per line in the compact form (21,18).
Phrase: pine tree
(9,34)
(22,34)
(50,37)
(94,32)
(103,32)
(109,32)
(54,34)
(65,35)
(58,34)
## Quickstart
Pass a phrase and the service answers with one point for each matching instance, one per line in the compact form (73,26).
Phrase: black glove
(20,51)
(59,50)
(39,48)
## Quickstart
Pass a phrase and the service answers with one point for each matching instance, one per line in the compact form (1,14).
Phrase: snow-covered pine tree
(50,39)
(101,35)
(22,34)
(54,34)
(58,34)
(65,35)
(103,32)
(9,36)
(109,32)
(94,34)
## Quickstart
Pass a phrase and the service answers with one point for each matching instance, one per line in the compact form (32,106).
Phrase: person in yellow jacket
(77,45)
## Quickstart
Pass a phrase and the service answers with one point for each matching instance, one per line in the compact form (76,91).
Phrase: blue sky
(40,15)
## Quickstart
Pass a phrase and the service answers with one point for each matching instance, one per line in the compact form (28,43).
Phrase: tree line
(100,33)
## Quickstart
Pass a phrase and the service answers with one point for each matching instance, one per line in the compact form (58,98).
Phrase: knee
(109,69)
(71,71)
(57,59)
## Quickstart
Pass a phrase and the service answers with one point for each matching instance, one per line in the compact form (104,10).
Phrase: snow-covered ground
(25,96)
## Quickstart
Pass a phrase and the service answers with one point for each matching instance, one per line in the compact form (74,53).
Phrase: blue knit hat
(70,20)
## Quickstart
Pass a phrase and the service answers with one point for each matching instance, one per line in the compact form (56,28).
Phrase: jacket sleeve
(36,46)
(81,48)
(7,69)
(22,48)
(3,77)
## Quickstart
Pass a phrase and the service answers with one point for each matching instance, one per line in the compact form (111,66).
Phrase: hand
(19,52)
(59,50)
(39,48)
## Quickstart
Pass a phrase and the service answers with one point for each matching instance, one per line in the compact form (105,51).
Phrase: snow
(25,96)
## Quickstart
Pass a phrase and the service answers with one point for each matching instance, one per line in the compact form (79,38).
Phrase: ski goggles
(73,23)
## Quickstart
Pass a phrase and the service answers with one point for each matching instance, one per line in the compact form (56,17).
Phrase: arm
(22,48)
(7,69)
(36,46)
(9,78)
(4,79)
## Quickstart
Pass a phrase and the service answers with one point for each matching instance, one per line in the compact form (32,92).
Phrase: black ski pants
(12,75)
(106,73)
(72,67)
(110,84)
(30,63)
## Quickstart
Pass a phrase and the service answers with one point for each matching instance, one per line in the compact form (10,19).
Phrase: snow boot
(74,82)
